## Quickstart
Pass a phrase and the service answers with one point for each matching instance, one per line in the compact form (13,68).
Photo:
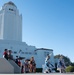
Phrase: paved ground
(42,74)
(50,74)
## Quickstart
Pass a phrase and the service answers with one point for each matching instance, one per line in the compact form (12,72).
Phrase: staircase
(8,67)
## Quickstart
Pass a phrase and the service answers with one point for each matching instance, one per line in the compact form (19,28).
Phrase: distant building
(11,36)
(10,22)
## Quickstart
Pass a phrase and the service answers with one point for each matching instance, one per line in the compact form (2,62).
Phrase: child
(26,66)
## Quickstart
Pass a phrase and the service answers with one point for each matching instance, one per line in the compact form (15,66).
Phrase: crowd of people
(29,66)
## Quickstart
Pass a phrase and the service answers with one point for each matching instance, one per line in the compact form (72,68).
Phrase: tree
(70,69)
(66,59)
(72,64)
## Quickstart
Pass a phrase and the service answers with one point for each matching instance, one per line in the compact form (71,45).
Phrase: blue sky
(48,24)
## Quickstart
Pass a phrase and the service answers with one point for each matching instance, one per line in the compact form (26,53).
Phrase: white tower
(10,22)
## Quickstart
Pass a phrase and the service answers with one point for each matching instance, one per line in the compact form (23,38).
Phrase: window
(35,53)
(30,53)
(10,9)
(22,52)
(46,53)
(15,52)
(26,52)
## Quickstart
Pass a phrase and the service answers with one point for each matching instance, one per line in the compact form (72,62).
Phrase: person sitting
(10,56)
(5,54)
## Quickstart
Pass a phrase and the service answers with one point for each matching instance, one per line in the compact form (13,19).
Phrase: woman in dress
(32,65)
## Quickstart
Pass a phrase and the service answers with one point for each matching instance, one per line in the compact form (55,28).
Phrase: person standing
(61,65)
(47,62)
(19,63)
(32,65)
(26,65)
(16,60)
